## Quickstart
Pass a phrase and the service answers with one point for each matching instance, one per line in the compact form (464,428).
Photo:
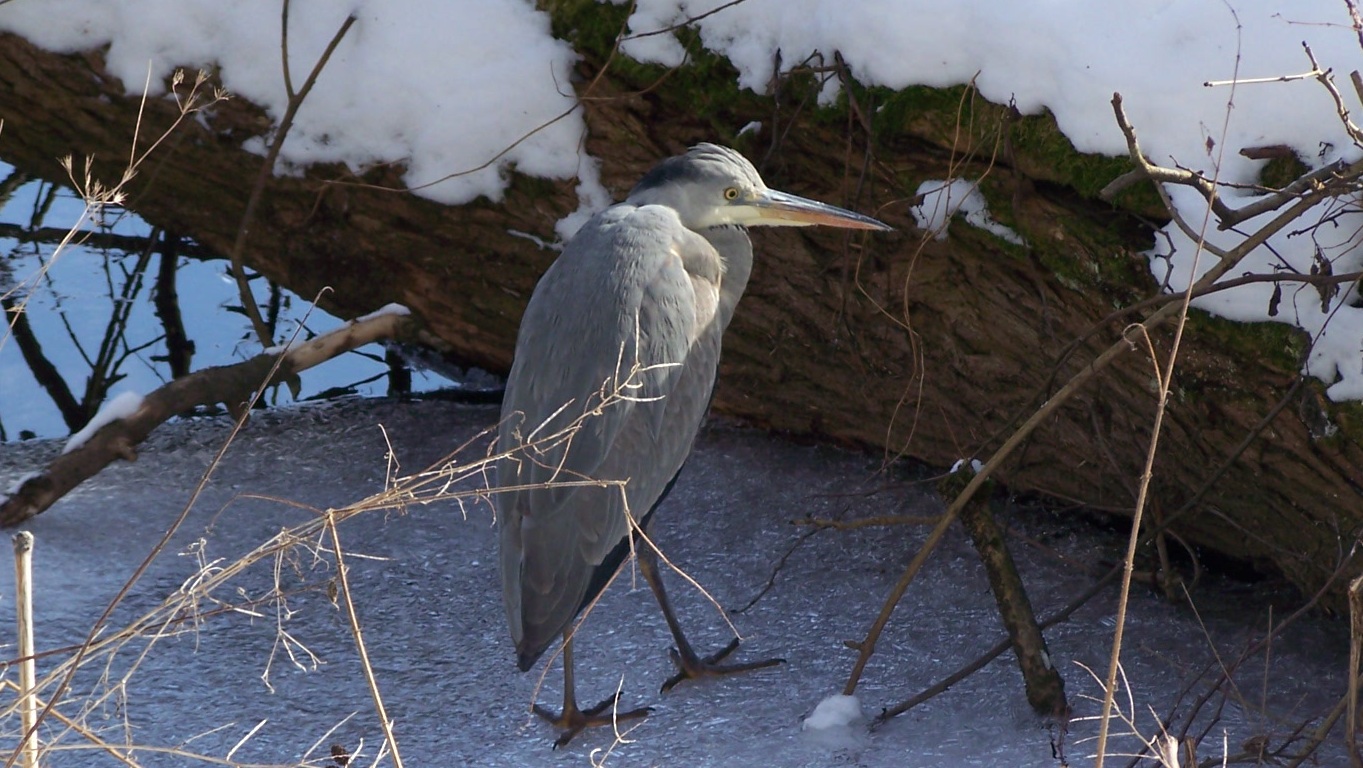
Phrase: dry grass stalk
(210,591)
(28,700)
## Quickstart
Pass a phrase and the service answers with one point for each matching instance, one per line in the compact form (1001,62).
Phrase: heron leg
(690,666)
(573,720)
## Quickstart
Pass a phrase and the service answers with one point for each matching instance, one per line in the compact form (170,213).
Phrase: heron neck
(736,250)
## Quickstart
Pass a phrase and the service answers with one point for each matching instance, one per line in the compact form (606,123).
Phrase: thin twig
(237,254)
(1326,78)
(1166,379)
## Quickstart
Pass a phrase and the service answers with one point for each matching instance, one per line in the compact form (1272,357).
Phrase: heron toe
(692,667)
(573,721)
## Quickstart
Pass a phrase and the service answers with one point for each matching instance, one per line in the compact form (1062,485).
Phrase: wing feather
(614,365)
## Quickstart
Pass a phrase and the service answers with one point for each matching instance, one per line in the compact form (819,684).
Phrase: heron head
(714,186)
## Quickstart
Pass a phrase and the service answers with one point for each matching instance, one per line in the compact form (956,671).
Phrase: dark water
(124,306)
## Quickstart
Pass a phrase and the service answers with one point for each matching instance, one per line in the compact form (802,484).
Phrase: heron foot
(692,667)
(574,721)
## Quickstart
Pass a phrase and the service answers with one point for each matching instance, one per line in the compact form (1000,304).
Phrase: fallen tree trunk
(923,348)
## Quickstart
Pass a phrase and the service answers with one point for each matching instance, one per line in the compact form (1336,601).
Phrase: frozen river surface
(426,591)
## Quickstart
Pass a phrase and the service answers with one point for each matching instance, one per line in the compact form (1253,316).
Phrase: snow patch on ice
(121,407)
(836,711)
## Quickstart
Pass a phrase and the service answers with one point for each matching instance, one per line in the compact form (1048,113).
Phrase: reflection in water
(124,306)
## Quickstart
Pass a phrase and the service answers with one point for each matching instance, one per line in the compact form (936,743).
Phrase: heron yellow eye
(731,193)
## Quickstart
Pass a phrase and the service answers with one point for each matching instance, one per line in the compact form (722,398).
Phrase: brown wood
(915,347)
(1042,681)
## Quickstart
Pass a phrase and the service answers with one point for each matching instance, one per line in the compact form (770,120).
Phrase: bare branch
(1335,174)
(1326,78)
(267,170)
(232,385)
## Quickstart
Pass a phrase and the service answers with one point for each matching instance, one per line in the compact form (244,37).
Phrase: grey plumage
(632,315)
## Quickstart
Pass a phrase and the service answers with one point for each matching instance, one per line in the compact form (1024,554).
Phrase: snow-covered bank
(462,92)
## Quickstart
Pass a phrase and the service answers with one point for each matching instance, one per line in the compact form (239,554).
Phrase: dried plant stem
(28,708)
(384,722)
(1355,652)
(97,628)
(1128,564)
(1318,736)
(77,727)
(1165,377)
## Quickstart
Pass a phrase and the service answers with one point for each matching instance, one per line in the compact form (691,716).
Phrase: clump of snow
(16,485)
(836,711)
(975,466)
(941,200)
(121,407)
(279,349)
(540,243)
(754,127)
(386,309)
(944,199)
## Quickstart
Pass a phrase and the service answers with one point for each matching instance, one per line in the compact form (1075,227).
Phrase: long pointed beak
(782,209)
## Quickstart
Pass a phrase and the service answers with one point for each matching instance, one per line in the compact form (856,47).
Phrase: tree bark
(918,347)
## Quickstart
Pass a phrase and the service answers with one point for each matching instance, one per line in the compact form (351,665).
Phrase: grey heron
(614,367)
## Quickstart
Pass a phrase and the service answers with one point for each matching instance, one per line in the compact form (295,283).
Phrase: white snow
(975,465)
(121,406)
(16,484)
(943,200)
(540,243)
(450,89)
(443,87)
(387,309)
(836,711)
(279,349)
